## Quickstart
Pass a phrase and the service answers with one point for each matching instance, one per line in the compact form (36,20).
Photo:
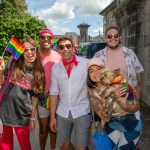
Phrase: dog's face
(107,75)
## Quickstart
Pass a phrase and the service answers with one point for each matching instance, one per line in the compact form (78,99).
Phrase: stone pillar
(83,38)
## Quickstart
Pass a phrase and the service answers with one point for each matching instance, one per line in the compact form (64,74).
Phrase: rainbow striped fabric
(44,102)
(15,48)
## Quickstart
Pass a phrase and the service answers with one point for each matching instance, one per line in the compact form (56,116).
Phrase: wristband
(32,119)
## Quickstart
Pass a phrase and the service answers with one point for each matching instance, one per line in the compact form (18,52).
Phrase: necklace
(28,70)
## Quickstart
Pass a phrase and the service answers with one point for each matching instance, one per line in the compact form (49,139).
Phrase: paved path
(144,140)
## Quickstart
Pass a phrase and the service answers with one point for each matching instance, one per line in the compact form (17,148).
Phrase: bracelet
(32,119)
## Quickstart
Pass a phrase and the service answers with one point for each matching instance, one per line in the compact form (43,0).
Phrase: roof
(108,8)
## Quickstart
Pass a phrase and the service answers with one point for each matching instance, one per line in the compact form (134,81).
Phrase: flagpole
(6,47)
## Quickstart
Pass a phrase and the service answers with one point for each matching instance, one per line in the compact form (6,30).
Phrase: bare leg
(138,146)
(43,131)
(67,146)
(82,148)
(52,139)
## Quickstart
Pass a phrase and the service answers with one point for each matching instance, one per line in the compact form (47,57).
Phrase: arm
(32,118)
(138,87)
(100,106)
(138,69)
(54,91)
(122,101)
(54,99)
(2,68)
(95,103)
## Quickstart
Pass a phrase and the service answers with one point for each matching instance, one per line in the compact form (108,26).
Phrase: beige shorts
(43,112)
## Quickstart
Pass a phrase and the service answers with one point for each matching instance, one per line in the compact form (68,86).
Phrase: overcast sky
(64,15)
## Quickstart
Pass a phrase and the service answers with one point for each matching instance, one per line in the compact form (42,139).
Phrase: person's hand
(32,126)
(120,91)
(2,64)
(46,93)
(53,124)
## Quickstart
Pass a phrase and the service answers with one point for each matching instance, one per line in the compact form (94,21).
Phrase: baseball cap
(46,31)
(95,61)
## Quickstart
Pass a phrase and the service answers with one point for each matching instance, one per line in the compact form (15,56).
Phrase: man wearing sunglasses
(114,55)
(49,58)
(68,79)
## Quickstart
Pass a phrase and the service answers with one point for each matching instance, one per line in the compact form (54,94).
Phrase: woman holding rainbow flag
(22,81)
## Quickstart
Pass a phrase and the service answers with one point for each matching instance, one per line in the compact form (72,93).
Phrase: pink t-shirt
(48,60)
(115,59)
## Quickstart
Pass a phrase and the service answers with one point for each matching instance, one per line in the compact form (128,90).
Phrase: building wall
(133,18)
(146,54)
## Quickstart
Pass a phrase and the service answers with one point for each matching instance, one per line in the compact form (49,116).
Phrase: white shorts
(43,112)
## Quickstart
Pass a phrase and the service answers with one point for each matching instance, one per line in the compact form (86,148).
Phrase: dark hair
(90,83)
(64,39)
(113,27)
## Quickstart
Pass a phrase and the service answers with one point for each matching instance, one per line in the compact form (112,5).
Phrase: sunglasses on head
(43,37)
(61,47)
(32,49)
(110,36)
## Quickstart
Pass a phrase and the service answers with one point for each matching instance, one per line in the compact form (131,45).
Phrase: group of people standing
(60,84)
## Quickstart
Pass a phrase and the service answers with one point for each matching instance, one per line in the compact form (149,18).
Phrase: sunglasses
(61,47)
(43,37)
(32,49)
(110,36)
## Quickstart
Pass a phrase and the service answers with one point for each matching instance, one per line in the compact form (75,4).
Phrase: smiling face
(29,53)
(112,39)
(45,41)
(65,49)
(94,72)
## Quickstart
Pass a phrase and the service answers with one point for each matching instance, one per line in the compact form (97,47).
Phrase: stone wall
(133,18)
(146,53)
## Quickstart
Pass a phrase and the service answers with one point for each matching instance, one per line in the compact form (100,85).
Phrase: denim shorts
(81,126)
(43,112)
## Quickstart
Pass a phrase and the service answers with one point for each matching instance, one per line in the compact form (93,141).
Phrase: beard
(114,47)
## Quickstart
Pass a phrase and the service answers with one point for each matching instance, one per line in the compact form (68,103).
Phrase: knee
(64,145)
(44,129)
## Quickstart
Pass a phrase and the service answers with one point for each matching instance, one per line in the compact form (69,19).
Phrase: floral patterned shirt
(134,67)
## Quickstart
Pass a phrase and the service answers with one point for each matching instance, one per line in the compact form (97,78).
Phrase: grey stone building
(133,18)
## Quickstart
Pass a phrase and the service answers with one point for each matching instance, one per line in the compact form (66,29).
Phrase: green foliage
(15,20)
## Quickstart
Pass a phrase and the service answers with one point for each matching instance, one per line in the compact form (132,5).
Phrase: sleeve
(95,103)
(54,88)
(137,65)
(34,94)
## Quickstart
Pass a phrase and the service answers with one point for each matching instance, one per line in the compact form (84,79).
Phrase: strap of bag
(94,122)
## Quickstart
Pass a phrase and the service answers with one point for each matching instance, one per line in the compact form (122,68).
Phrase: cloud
(54,26)
(96,31)
(66,9)
(91,7)
(62,15)
(59,10)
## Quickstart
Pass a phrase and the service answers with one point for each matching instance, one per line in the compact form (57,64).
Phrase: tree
(15,20)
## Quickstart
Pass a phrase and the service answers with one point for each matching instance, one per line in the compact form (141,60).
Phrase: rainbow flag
(15,48)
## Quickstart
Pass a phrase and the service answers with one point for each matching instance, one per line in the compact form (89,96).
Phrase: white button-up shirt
(73,90)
